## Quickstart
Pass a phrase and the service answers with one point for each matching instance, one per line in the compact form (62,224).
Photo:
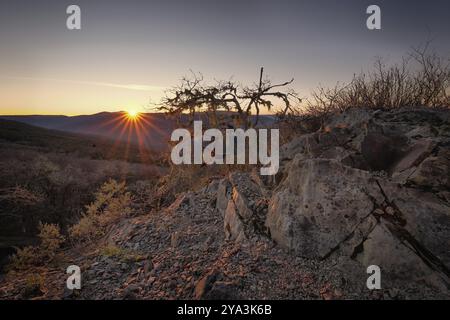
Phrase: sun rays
(133,128)
(132,115)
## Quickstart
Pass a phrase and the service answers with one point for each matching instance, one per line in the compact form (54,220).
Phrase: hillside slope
(370,188)
(152,131)
(49,176)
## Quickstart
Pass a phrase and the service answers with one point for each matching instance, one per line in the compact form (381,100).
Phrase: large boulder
(433,172)
(319,205)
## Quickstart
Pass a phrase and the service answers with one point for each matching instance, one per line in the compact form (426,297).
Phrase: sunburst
(132,115)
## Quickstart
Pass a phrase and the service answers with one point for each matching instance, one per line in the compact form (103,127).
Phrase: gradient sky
(129,51)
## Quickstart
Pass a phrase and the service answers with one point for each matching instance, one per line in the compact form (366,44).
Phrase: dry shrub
(23,258)
(183,178)
(20,196)
(51,239)
(112,201)
(421,80)
(50,242)
(34,286)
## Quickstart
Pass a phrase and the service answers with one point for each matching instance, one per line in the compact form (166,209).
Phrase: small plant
(23,258)
(50,241)
(123,255)
(34,286)
(87,228)
(112,201)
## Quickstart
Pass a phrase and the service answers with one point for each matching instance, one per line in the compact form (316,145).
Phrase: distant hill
(153,131)
(94,147)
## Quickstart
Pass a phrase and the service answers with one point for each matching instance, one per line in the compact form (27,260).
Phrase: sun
(132,114)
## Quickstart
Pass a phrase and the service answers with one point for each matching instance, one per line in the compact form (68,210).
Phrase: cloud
(136,87)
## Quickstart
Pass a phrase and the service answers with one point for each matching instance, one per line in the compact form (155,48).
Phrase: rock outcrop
(246,208)
(372,188)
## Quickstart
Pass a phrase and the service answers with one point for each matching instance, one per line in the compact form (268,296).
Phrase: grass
(124,255)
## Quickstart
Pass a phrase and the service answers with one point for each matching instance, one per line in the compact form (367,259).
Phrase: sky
(128,52)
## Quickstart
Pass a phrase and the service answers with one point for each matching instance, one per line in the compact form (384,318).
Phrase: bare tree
(193,95)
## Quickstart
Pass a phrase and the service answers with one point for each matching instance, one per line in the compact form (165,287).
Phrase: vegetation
(48,176)
(50,241)
(121,254)
(193,95)
(34,286)
(421,80)
(112,201)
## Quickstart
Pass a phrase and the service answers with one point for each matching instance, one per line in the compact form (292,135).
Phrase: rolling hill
(97,147)
(152,132)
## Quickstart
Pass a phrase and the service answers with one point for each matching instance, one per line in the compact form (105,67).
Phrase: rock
(328,205)
(212,187)
(381,151)
(396,259)
(131,292)
(148,266)
(183,199)
(205,284)
(211,288)
(233,225)
(242,204)
(389,210)
(416,154)
(433,172)
(175,239)
(319,204)
(356,117)
(241,217)
(296,146)
(70,294)
(426,221)
(222,291)
(223,195)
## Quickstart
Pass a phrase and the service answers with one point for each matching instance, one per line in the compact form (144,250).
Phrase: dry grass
(121,254)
